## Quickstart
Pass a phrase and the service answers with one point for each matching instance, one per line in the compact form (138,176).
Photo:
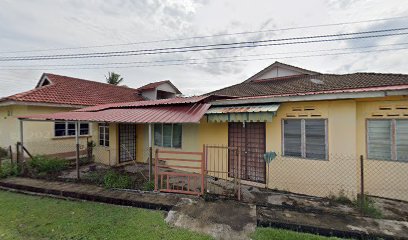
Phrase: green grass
(32,217)
(280,234)
(29,217)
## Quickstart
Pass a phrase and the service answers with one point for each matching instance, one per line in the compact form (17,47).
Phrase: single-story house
(55,93)
(319,124)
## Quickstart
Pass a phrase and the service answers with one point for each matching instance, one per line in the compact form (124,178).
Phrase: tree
(113,78)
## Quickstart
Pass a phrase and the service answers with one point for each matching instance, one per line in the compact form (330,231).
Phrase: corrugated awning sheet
(250,113)
(191,113)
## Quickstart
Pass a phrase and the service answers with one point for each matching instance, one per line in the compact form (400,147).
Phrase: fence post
(156,170)
(11,155)
(362,198)
(77,129)
(17,154)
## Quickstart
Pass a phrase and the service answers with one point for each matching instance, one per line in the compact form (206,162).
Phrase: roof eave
(8,102)
(313,97)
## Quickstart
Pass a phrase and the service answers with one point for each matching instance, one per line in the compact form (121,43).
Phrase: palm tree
(113,78)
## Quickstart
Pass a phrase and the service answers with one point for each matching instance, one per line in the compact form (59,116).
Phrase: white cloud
(28,25)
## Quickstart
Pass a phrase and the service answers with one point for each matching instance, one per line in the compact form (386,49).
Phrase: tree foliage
(113,78)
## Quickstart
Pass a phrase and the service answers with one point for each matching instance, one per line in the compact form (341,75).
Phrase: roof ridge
(87,80)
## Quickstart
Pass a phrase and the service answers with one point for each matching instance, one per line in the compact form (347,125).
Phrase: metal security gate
(221,179)
(249,137)
(127,142)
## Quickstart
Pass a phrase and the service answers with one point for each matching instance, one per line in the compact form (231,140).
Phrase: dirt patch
(220,219)
(328,224)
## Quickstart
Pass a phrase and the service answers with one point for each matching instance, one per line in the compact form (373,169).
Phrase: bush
(8,169)
(115,179)
(3,153)
(341,198)
(44,164)
(148,186)
(368,207)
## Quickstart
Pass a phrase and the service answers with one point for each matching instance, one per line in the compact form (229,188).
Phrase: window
(387,139)
(104,134)
(168,135)
(62,129)
(305,138)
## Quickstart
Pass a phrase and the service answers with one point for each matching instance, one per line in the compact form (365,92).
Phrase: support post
(239,174)
(202,170)
(156,171)
(77,129)
(22,141)
(362,198)
(150,153)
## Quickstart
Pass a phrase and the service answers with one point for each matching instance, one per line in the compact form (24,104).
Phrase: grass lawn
(31,217)
(278,234)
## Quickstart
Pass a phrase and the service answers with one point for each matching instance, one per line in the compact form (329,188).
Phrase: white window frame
(66,129)
(303,137)
(393,136)
(162,135)
(103,127)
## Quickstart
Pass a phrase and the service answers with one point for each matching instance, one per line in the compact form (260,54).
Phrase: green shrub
(44,164)
(115,179)
(341,198)
(8,169)
(96,177)
(148,186)
(3,153)
(368,207)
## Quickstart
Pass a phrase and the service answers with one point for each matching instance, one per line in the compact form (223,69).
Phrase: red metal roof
(191,113)
(177,100)
(75,91)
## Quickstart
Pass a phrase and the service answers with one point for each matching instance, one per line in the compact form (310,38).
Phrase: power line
(212,46)
(194,59)
(210,36)
(213,62)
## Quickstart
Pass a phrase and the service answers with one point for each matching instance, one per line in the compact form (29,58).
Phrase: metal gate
(249,137)
(222,179)
(179,172)
(127,142)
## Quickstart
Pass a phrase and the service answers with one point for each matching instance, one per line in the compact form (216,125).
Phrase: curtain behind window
(167,130)
(158,134)
(177,132)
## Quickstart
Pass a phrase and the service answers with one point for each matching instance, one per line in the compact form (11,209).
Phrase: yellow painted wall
(346,142)
(383,178)
(316,177)
(38,136)
(106,155)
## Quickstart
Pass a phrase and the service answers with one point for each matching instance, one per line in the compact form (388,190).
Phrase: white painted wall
(150,94)
(278,72)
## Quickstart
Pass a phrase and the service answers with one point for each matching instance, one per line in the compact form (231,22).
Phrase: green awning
(242,113)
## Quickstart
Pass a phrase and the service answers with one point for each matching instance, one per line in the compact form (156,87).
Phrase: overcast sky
(38,25)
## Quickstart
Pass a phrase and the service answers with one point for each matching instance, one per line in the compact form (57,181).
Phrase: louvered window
(306,138)
(387,139)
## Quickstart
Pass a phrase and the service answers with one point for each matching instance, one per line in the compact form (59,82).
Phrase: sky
(30,28)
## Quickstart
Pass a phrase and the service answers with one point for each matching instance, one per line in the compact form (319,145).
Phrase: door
(250,139)
(127,142)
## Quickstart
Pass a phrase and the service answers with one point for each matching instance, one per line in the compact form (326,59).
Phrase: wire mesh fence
(227,168)
(334,175)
